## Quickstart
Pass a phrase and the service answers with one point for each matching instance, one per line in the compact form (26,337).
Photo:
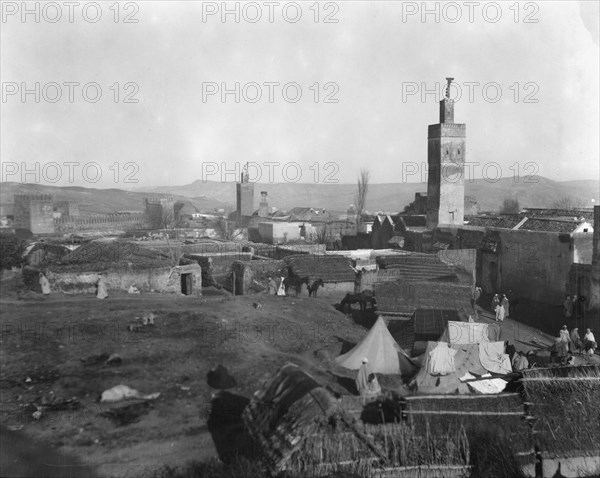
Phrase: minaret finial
(449,80)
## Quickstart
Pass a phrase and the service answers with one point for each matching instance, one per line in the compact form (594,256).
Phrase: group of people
(275,289)
(501,306)
(567,344)
(573,307)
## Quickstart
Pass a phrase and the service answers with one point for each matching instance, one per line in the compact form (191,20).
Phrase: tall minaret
(245,195)
(446,144)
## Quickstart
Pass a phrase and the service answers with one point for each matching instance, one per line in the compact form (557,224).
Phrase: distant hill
(390,197)
(97,201)
(541,192)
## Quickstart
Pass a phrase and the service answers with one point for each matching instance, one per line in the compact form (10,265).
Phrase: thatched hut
(564,409)
(300,427)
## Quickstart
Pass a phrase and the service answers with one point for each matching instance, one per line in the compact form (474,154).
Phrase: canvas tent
(382,351)
(471,357)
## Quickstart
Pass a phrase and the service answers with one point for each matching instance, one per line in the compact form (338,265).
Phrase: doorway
(186,284)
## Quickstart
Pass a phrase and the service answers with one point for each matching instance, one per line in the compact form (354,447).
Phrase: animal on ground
(362,298)
(295,283)
(314,287)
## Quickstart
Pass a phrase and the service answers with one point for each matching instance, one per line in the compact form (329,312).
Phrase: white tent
(382,351)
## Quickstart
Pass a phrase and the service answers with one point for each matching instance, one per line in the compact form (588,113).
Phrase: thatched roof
(97,256)
(42,253)
(422,267)
(330,268)
(565,405)
(404,296)
(287,412)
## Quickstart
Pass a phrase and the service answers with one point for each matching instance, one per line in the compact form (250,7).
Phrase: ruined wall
(160,279)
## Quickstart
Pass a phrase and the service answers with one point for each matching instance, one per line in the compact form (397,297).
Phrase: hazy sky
(376,60)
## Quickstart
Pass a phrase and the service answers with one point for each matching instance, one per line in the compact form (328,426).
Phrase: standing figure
(506,304)
(568,307)
(281,290)
(589,342)
(272,286)
(562,344)
(44,284)
(366,382)
(499,313)
(495,301)
(475,297)
(101,292)
(576,343)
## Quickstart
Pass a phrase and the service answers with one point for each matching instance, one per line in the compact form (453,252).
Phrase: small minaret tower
(446,144)
(245,195)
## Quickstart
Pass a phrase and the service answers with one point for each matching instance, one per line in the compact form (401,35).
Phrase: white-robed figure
(101,292)
(44,284)
(366,381)
(133,289)
(500,312)
(281,290)
(589,342)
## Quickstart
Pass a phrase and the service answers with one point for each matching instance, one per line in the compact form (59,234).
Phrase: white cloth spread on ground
(441,360)
(493,385)
(493,358)
(463,333)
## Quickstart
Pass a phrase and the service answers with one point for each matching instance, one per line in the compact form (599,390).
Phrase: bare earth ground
(44,339)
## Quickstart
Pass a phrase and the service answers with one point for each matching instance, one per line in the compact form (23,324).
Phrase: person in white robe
(44,284)
(101,291)
(133,289)
(281,290)
(500,313)
(366,382)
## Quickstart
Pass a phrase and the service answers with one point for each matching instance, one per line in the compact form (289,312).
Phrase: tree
(322,235)
(568,202)
(225,229)
(510,206)
(360,198)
